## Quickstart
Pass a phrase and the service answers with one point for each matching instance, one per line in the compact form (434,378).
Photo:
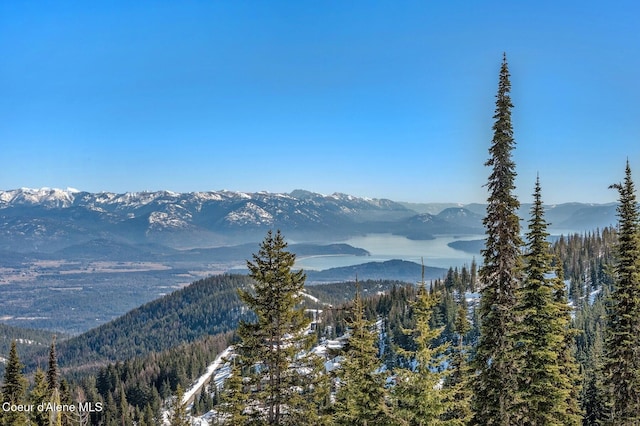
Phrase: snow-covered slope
(45,218)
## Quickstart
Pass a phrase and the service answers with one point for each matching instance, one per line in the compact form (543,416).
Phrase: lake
(388,246)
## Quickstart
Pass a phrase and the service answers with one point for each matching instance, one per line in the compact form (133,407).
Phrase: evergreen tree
(179,410)
(622,345)
(14,389)
(419,397)
(458,381)
(546,383)
(52,371)
(283,380)
(233,399)
(123,408)
(474,274)
(40,394)
(500,275)
(110,410)
(569,366)
(361,394)
(148,416)
(202,403)
(594,398)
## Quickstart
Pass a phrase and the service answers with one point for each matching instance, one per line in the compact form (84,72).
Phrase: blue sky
(387,99)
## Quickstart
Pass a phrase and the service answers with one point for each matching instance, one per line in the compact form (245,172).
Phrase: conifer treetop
(52,371)
(501,180)
(622,346)
(13,389)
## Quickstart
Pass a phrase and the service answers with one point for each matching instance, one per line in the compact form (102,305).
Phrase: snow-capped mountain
(47,219)
(47,197)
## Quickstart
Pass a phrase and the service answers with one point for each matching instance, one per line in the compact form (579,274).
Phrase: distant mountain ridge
(395,269)
(50,219)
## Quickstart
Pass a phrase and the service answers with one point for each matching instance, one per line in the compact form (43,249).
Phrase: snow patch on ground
(190,394)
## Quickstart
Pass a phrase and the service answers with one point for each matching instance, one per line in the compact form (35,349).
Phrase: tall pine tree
(361,399)
(500,275)
(52,371)
(419,397)
(622,345)
(547,378)
(285,377)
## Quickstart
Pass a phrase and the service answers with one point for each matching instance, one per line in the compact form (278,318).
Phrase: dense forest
(205,308)
(539,332)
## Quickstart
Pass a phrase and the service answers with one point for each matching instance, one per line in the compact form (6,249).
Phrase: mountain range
(46,220)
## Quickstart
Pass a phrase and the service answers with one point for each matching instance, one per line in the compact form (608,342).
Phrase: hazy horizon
(426,202)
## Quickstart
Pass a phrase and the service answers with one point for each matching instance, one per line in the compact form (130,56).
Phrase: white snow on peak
(174,217)
(50,197)
(250,214)
(208,196)
(228,193)
(341,196)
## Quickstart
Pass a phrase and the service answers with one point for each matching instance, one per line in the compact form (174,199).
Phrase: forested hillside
(207,307)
